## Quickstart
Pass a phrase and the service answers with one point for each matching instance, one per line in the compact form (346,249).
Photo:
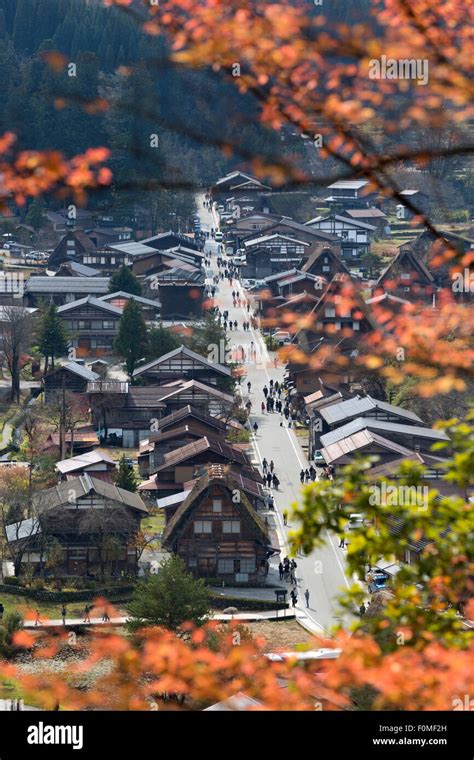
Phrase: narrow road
(322,572)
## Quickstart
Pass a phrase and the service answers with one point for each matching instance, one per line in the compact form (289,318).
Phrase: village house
(269,254)
(181,292)
(150,309)
(183,363)
(76,269)
(93,325)
(325,265)
(238,185)
(356,236)
(93,463)
(185,463)
(217,535)
(93,521)
(327,417)
(124,415)
(296,205)
(373,216)
(73,246)
(81,440)
(351,192)
(363,432)
(63,290)
(407,277)
(70,377)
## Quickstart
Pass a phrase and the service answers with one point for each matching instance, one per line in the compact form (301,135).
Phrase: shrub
(11,623)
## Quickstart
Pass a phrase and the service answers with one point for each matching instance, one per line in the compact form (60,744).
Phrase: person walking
(306,475)
(63,614)
(265,391)
(37,618)
(342,543)
(249,386)
(306,596)
(105,615)
(87,613)
(255,428)
(285,517)
(269,479)
(276,482)
(272,466)
(264,465)
(294,597)
(280,570)
(263,407)
(302,476)
(236,324)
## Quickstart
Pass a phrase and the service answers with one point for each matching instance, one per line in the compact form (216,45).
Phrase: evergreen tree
(132,340)
(124,279)
(35,216)
(161,341)
(52,335)
(125,477)
(169,598)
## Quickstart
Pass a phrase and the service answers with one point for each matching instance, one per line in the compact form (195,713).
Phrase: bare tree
(16,334)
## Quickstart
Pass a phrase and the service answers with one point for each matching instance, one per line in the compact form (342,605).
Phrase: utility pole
(62,422)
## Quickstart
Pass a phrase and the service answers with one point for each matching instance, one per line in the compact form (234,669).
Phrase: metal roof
(332,452)
(82,486)
(184,351)
(99,304)
(129,296)
(381,425)
(168,501)
(206,443)
(348,184)
(82,460)
(87,285)
(357,407)
(132,249)
(190,411)
(77,369)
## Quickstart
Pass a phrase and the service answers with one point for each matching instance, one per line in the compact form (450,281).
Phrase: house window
(203,526)
(107,325)
(325,269)
(356,325)
(225,566)
(192,562)
(231,526)
(217,505)
(247,566)
(71,244)
(83,325)
(102,259)
(405,276)
(329,311)
(112,259)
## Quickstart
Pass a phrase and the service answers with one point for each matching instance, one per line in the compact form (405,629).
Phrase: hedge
(257,605)
(68,596)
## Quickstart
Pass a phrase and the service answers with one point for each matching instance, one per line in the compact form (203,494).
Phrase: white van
(219,237)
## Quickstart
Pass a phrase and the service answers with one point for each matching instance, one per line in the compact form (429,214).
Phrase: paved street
(322,572)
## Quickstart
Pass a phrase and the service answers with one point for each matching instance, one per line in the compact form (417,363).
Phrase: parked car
(318,458)
(380,580)
(282,338)
(247,284)
(355,521)
(219,237)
